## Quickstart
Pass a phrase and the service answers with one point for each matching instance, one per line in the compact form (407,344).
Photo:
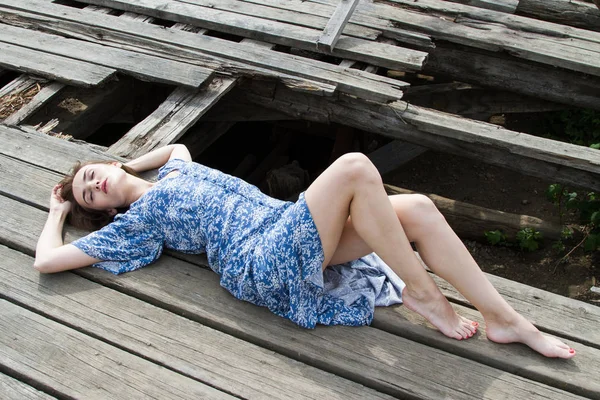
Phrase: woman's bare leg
(352,187)
(446,255)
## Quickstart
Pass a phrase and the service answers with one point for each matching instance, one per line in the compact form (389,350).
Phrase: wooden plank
(12,389)
(199,139)
(287,16)
(324,11)
(218,359)
(497,71)
(490,143)
(63,69)
(371,357)
(395,154)
(78,366)
(138,65)
(336,24)
(270,31)
(483,29)
(506,6)
(536,366)
(234,58)
(37,102)
(566,12)
(20,84)
(180,111)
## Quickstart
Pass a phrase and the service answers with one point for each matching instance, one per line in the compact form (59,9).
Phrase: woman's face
(100,186)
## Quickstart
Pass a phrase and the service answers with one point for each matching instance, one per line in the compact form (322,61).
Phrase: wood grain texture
(490,143)
(63,69)
(12,389)
(79,366)
(507,6)
(270,31)
(185,346)
(37,102)
(234,58)
(566,12)
(204,283)
(141,66)
(179,112)
(340,17)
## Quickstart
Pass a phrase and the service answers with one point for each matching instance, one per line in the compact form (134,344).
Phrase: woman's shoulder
(174,164)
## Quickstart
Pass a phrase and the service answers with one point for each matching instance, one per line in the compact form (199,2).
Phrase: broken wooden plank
(12,389)
(270,31)
(336,24)
(63,69)
(180,111)
(566,12)
(234,58)
(37,102)
(549,159)
(394,155)
(20,84)
(138,65)
(324,11)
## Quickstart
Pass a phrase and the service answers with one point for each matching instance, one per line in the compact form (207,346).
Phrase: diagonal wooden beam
(41,98)
(336,24)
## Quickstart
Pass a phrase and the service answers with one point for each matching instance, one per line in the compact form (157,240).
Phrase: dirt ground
(502,189)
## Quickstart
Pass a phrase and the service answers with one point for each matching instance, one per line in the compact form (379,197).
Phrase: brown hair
(81,217)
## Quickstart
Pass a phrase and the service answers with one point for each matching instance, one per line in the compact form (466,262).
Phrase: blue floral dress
(266,251)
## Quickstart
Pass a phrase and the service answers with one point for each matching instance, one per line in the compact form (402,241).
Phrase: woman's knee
(419,213)
(357,168)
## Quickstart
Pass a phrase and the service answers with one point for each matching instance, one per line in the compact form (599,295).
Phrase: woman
(273,253)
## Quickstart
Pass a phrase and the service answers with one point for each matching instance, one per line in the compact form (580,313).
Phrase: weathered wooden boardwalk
(169,330)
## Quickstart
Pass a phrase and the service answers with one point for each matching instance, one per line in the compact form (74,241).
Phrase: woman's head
(96,190)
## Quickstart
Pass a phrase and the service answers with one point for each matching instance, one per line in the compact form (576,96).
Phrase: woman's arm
(159,157)
(51,254)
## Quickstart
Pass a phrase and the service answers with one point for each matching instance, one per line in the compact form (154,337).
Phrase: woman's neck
(138,187)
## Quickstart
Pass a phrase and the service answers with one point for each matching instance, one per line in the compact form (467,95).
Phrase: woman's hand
(57,203)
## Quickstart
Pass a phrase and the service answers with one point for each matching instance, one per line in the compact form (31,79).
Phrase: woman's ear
(117,164)
(112,212)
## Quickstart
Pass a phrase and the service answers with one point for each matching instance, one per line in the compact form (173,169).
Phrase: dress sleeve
(127,244)
(171,165)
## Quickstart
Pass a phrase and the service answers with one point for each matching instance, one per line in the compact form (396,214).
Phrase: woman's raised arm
(159,157)
(51,254)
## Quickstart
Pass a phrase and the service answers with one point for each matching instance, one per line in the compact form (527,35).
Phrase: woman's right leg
(352,187)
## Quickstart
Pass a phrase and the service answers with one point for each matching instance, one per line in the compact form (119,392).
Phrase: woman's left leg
(447,256)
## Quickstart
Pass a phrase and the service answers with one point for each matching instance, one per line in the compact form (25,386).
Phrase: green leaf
(566,233)
(595,146)
(495,237)
(595,218)
(554,191)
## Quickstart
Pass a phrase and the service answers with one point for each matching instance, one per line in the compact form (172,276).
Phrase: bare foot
(520,330)
(437,310)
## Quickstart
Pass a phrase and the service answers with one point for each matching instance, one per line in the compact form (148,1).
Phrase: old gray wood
(188,347)
(532,155)
(471,26)
(12,389)
(324,11)
(213,53)
(336,24)
(27,224)
(507,6)
(141,66)
(371,357)
(566,12)
(20,84)
(271,31)
(286,15)
(37,102)
(180,111)
(79,366)
(497,71)
(63,69)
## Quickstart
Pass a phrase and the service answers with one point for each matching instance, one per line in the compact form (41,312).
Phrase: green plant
(495,237)
(580,126)
(529,239)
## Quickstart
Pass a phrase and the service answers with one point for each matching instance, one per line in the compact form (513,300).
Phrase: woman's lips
(104,186)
